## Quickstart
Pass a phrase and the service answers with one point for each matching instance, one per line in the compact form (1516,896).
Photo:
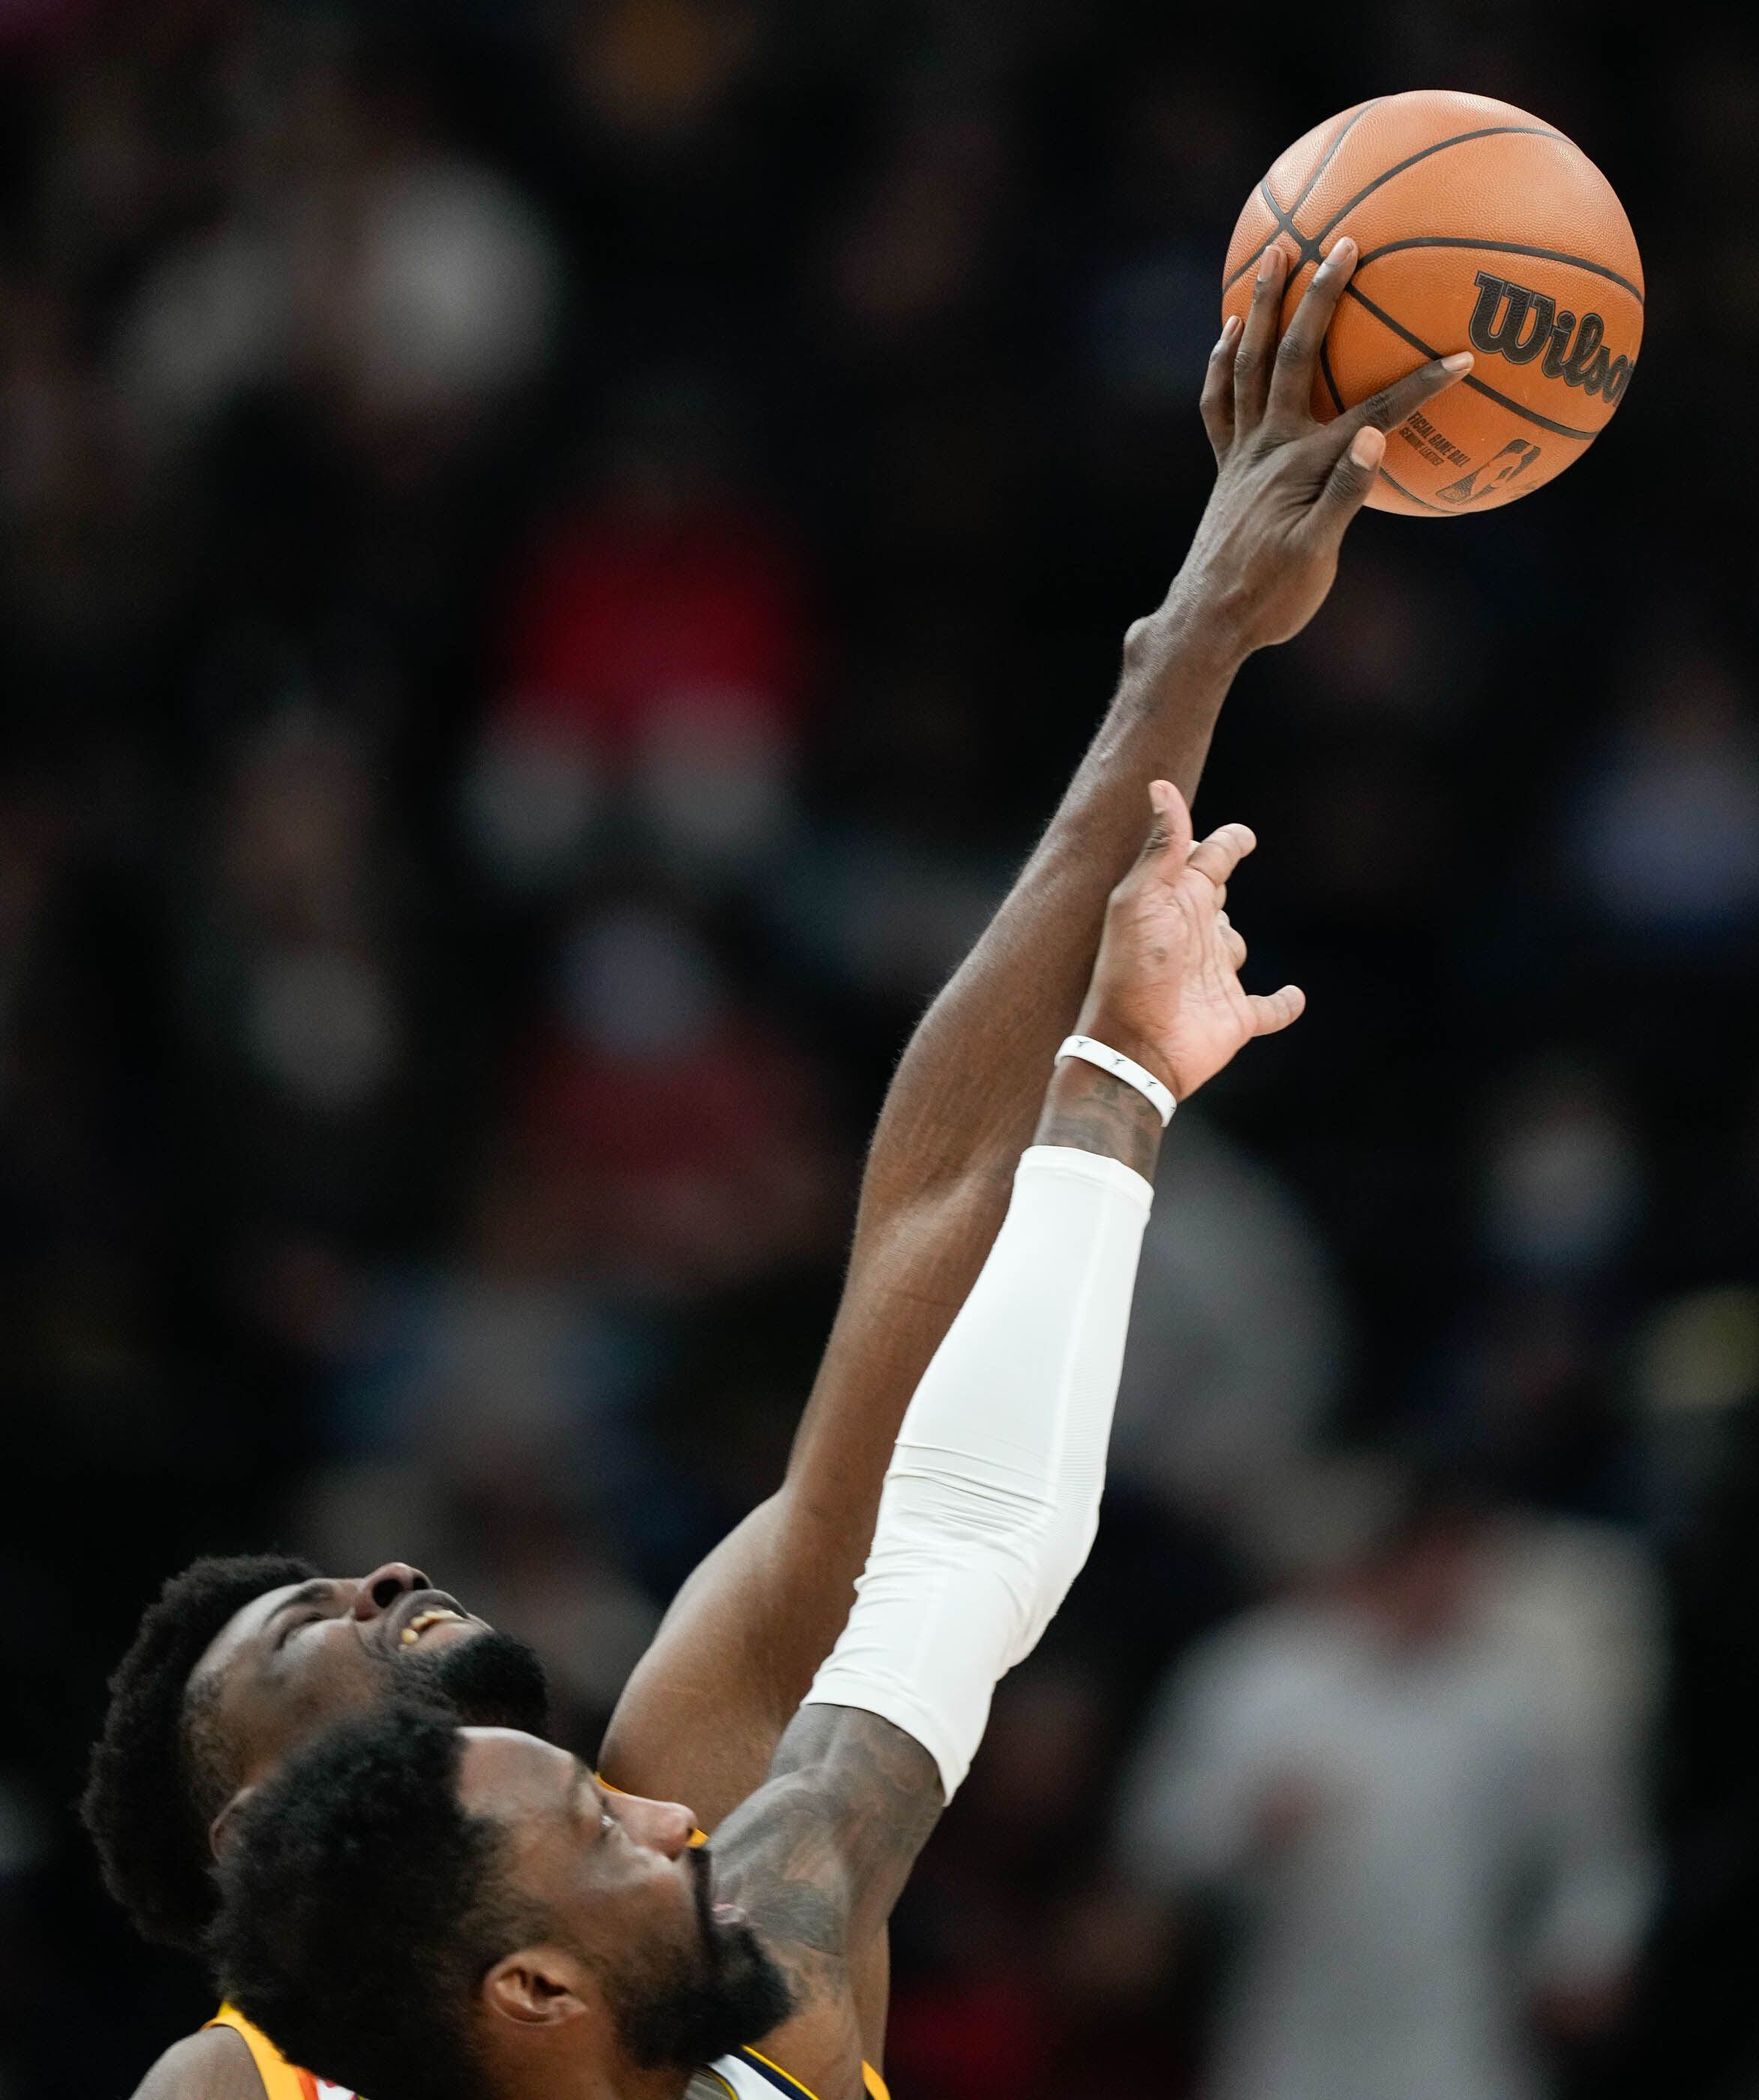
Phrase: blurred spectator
(1696,1369)
(918,254)
(886,891)
(653,71)
(1563,1176)
(299,991)
(31,840)
(1238,1343)
(657,657)
(359,256)
(1417,1782)
(1368,658)
(1663,833)
(990,2021)
(1696,1374)
(665,1139)
(1181,155)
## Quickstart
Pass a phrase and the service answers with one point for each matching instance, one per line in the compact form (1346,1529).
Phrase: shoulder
(212,2065)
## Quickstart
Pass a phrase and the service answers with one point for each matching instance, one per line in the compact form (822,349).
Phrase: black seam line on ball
(1471,379)
(1411,495)
(1257,256)
(1344,130)
(1440,145)
(1310,249)
(1285,220)
(1501,248)
(1286,225)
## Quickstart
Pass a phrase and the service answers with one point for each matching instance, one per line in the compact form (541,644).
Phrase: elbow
(1059,1557)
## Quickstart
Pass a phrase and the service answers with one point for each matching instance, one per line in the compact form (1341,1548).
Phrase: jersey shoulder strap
(281,2081)
(749,2075)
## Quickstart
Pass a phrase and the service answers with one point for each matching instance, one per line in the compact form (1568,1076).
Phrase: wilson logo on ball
(1512,321)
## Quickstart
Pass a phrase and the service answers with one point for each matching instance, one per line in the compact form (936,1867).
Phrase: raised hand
(1165,989)
(1287,485)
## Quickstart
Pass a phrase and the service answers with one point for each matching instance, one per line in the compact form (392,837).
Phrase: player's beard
(687,2008)
(491,1680)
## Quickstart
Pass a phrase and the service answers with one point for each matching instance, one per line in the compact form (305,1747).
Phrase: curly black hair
(360,1905)
(156,1778)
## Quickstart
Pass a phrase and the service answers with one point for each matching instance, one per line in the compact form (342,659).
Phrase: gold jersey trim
(872,2083)
(282,2081)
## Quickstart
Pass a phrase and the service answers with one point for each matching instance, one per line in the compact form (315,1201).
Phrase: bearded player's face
(632,1921)
(295,1659)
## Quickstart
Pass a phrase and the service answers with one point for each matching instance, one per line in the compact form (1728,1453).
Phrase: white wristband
(1123,1068)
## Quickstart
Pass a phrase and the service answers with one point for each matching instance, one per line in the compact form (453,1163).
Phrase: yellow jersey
(281,2080)
(747,2075)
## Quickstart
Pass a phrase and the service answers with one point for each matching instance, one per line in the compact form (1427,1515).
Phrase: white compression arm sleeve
(993,1497)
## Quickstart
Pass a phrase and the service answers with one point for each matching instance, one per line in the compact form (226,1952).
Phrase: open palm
(1166,987)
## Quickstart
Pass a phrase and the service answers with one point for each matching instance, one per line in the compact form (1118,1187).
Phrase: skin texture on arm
(821,1854)
(818,1857)
(703,1712)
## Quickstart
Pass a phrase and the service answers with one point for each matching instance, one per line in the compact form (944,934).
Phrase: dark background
(554,559)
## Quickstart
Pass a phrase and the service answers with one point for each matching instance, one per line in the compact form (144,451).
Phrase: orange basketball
(1478,227)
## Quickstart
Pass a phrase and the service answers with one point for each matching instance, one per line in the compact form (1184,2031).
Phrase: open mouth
(422,1620)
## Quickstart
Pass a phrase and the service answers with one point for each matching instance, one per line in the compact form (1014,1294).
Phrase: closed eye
(587,1794)
(293,1627)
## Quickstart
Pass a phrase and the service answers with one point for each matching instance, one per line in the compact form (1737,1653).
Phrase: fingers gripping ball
(1479,228)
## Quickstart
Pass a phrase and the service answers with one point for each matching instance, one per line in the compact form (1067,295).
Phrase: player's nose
(378,1591)
(663,1826)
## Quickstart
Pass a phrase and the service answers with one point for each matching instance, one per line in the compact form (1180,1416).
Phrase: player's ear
(539,1986)
(221,1829)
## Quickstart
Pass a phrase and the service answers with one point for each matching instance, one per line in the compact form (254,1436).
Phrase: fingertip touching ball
(1478,227)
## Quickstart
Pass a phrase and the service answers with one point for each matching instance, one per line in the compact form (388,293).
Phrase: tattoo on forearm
(831,1840)
(1088,1110)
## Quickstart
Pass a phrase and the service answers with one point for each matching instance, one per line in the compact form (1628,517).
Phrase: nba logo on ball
(1478,227)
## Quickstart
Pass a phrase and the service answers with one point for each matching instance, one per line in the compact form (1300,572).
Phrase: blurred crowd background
(553,558)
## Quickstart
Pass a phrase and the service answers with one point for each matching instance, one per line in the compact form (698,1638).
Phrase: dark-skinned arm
(820,1856)
(701,1717)
(970,1562)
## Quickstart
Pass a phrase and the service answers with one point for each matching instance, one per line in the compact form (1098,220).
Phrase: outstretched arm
(992,1496)
(702,1713)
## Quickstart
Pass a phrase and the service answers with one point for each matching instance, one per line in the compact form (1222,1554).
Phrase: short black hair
(360,1905)
(157,1778)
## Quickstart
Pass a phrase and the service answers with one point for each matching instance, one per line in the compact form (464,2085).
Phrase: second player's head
(238,1662)
(430,1912)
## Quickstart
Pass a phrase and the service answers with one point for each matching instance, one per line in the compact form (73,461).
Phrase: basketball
(1478,227)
